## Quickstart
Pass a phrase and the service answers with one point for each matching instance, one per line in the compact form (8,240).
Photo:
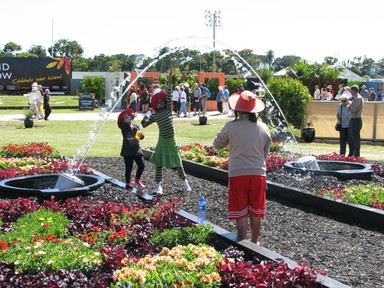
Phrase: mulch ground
(345,251)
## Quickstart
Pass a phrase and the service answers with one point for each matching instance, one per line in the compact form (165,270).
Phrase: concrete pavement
(86,115)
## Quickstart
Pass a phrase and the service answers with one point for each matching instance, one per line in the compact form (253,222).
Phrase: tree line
(188,60)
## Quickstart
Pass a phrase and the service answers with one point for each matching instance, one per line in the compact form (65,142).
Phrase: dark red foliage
(11,210)
(246,273)
(88,215)
(275,162)
(378,169)
(337,157)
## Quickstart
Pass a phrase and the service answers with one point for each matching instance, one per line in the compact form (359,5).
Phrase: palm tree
(270,56)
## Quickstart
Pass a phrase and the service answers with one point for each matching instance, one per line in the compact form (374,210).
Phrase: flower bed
(93,244)
(371,195)
(85,243)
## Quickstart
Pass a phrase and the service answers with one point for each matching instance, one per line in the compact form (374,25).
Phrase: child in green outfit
(167,152)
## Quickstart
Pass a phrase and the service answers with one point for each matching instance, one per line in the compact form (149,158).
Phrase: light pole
(213,19)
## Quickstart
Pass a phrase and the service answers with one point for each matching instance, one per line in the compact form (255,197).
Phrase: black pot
(308,134)
(28,123)
(203,120)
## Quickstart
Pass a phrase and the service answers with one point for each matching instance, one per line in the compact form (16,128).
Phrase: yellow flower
(38,253)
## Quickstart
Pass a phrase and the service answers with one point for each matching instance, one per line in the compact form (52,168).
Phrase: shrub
(291,95)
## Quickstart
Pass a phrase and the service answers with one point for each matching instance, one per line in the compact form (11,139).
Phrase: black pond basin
(44,186)
(342,170)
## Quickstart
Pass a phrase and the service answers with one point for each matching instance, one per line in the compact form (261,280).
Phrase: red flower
(3,246)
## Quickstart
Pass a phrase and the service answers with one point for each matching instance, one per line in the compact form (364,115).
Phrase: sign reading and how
(18,74)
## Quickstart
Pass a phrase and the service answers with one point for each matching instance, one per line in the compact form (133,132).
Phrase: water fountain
(70,181)
(342,170)
(47,185)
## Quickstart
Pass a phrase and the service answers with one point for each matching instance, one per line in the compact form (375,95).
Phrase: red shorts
(247,195)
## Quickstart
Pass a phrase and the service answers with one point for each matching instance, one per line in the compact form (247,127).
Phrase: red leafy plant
(115,232)
(35,149)
(111,221)
(49,162)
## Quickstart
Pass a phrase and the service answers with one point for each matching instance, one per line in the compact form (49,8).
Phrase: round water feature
(342,170)
(48,185)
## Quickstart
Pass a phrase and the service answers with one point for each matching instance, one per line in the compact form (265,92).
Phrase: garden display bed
(251,249)
(345,252)
(360,213)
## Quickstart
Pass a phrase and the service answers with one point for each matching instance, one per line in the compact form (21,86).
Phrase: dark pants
(176,106)
(195,105)
(128,161)
(220,107)
(344,139)
(355,126)
(47,111)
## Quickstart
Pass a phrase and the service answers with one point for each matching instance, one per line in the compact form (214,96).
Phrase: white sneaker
(187,188)
(159,189)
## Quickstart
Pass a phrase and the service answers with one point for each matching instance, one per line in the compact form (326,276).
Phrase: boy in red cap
(130,149)
(167,153)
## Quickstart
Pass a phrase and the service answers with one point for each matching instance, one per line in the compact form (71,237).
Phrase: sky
(310,29)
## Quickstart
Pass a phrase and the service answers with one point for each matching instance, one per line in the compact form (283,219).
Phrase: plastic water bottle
(201,210)
(148,114)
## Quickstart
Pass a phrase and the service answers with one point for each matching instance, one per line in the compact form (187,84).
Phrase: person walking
(132,99)
(47,106)
(372,94)
(166,153)
(356,123)
(226,100)
(343,117)
(219,99)
(317,94)
(35,100)
(183,102)
(176,100)
(203,98)
(249,141)
(130,149)
(364,92)
(195,105)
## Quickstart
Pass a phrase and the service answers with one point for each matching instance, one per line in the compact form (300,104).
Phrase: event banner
(18,74)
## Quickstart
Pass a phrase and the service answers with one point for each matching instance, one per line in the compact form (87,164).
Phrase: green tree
(66,48)
(38,50)
(269,57)
(285,61)
(360,65)
(312,74)
(331,60)
(11,49)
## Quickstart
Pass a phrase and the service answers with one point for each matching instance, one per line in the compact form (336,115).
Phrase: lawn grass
(69,136)
(22,101)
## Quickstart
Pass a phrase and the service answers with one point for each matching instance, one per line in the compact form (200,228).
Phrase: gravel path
(347,252)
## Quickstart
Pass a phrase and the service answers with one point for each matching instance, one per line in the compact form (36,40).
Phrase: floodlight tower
(213,19)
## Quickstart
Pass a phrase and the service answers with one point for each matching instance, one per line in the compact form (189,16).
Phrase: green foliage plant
(94,84)
(28,114)
(368,195)
(172,237)
(291,95)
(38,242)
